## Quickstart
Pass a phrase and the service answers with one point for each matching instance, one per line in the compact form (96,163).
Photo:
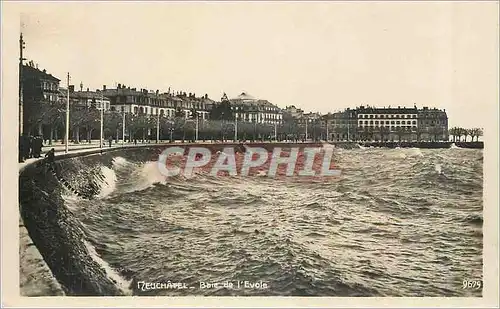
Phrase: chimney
(44,71)
(71,88)
(119,86)
(88,89)
(103,87)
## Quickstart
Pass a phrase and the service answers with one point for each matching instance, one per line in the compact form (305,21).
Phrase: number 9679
(472,284)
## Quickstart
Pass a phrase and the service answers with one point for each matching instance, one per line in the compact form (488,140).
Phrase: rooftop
(29,70)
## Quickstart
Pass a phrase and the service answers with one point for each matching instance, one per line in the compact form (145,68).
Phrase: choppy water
(400,222)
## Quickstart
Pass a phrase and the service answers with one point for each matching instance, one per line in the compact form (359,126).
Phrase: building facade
(85,99)
(148,102)
(250,109)
(40,92)
(401,124)
(433,124)
(341,126)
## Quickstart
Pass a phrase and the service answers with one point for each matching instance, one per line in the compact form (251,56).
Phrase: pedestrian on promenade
(25,147)
(110,140)
(22,148)
(30,146)
(37,146)
(50,160)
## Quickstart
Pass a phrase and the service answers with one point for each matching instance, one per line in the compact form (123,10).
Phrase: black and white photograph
(334,149)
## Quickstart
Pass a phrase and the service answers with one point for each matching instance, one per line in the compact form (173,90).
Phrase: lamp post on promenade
(235,127)
(21,48)
(67,118)
(102,118)
(307,124)
(275,131)
(123,126)
(157,125)
(197,127)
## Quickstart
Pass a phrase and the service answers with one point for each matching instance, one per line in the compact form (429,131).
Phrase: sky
(319,56)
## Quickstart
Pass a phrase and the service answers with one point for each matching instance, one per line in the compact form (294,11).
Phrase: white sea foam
(147,176)
(416,152)
(121,282)
(108,183)
(438,169)
(119,161)
(328,146)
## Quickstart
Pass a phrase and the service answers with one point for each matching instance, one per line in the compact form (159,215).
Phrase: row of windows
(159,102)
(256,108)
(387,116)
(391,127)
(49,86)
(434,122)
(263,116)
(50,97)
(387,122)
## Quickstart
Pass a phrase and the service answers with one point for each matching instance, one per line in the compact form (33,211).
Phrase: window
(371,116)
(392,122)
(376,121)
(414,122)
(403,122)
(414,116)
(398,122)
(407,116)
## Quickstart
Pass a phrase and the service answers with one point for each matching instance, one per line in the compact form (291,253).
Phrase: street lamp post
(158,126)
(275,132)
(123,127)
(235,128)
(307,124)
(67,118)
(21,47)
(196,135)
(102,118)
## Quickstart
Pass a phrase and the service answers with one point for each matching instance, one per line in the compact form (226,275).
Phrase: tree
(454,132)
(476,132)
(479,132)
(222,111)
(400,133)
(180,121)
(384,131)
(112,123)
(193,114)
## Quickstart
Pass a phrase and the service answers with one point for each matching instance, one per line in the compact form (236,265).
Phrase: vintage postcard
(250,154)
